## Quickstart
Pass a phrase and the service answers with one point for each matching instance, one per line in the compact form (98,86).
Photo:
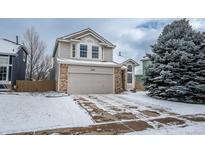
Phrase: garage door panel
(91,69)
(86,83)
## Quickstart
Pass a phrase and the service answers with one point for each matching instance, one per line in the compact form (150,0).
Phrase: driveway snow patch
(140,98)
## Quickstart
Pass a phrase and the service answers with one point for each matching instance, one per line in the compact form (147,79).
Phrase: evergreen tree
(177,71)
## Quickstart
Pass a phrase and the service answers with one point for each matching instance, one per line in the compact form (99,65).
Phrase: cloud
(134,37)
(198,24)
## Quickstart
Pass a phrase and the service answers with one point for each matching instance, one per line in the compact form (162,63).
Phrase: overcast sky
(132,37)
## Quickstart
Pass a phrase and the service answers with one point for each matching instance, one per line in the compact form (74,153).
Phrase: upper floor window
(83,50)
(73,50)
(129,68)
(4,60)
(95,52)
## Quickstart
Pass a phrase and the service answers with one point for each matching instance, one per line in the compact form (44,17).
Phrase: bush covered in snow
(177,72)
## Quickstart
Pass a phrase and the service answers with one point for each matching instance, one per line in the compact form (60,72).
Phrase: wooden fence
(139,86)
(34,86)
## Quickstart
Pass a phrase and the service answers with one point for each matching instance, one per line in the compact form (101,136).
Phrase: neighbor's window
(95,52)
(3,60)
(3,73)
(73,50)
(83,50)
(10,60)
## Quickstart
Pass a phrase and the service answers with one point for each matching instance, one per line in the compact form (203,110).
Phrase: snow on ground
(29,112)
(192,129)
(20,112)
(181,108)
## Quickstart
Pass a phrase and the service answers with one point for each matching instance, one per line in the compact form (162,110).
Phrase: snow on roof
(120,59)
(8,47)
(87,63)
(145,58)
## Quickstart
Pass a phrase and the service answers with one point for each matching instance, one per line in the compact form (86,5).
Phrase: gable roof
(82,33)
(122,60)
(8,47)
(132,61)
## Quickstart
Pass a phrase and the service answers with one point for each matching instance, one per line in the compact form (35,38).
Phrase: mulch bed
(137,125)
(150,113)
(169,121)
(195,118)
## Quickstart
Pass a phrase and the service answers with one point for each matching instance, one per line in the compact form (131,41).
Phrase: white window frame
(87,51)
(7,69)
(72,50)
(92,51)
(130,73)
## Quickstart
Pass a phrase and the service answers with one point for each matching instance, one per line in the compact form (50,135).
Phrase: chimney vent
(120,53)
(17,39)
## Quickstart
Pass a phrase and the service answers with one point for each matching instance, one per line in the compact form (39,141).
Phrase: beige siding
(108,54)
(64,49)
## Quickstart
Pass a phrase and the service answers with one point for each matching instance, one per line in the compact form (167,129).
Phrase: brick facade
(119,80)
(63,83)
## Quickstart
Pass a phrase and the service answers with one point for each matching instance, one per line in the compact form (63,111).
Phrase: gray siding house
(13,57)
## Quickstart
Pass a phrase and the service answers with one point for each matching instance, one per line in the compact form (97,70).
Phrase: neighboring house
(145,62)
(83,64)
(130,65)
(12,63)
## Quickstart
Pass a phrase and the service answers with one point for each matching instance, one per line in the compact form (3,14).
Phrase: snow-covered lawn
(34,111)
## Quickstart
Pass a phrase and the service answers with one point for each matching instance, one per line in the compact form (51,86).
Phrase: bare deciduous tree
(43,68)
(38,64)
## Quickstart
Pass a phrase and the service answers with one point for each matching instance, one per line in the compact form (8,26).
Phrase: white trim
(96,37)
(7,65)
(58,89)
(86,62)
(5,82)
(90,31)
(98,52)
(72,50)
(132,61)
(68,41)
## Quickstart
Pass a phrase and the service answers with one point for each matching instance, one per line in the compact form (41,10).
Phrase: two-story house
(13,57)
(83,64)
